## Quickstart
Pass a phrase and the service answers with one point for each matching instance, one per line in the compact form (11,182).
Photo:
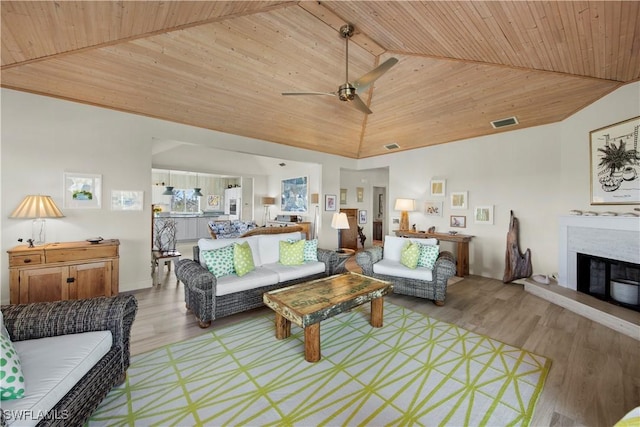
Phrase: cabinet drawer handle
(27,260)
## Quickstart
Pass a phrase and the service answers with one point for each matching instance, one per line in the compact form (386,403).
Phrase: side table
(161,258)
(343,255)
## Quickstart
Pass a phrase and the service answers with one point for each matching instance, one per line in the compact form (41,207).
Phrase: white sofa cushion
(254,279)
(52,366)
(394,268)
(393,246)
(208,244)
(291,272)
(269,245)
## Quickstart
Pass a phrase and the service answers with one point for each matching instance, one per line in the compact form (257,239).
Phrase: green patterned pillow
(311,250)
(219,261)
(242,258)
(11,378)
(292,253)
(428,255)
(410,254)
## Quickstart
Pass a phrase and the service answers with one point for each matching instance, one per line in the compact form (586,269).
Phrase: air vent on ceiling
(509,121)
(392,146)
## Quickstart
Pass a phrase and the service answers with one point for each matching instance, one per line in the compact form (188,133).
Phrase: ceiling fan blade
(360,105)
(374,74)
(308,93)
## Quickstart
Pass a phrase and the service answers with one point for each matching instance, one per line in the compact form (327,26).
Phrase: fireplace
(610,280)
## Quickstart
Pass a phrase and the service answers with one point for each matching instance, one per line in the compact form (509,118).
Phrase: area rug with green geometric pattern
(415,370)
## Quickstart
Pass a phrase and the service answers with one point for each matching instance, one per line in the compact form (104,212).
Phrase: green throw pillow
(242,258)
(311,250)
(219,261)
(410,254)
(11,378)
(292,253)
(428,255)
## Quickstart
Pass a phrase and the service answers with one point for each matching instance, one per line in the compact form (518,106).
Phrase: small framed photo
(483,214)
(459,221)
(459,200)
(82,191)
(360,194)
(433,208)
(330,202)
(362,217)
(438,187)
(127,200)
(343,196)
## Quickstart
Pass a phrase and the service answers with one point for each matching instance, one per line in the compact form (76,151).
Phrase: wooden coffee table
(309,303)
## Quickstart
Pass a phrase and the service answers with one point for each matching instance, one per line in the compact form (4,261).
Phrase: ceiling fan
(347,91)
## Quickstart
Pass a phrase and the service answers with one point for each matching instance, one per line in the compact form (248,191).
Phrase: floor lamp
(267,202)
(37,207)
(405,206)
(340,222)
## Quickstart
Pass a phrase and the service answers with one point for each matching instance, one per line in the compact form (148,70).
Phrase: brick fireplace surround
(612,237)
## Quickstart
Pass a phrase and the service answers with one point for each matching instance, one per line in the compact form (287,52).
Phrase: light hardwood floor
(595,374)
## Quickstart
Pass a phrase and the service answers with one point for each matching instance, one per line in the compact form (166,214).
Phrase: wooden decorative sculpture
(517,265)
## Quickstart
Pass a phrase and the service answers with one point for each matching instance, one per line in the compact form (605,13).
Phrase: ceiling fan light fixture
(509,121)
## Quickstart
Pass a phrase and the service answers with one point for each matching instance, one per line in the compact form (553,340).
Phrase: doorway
(380,214)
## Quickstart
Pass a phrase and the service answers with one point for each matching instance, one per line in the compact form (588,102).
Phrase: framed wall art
(615,164)
(122,200)
(293,195)
(458,221)
(433,208)
(459,200)
(483,214)
(330,202)
(438,187)
(82,191)
(362,217)
(343,196)
(359,194)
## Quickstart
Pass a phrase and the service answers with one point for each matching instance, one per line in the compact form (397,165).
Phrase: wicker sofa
(384,263)
(32,325)
(210,298)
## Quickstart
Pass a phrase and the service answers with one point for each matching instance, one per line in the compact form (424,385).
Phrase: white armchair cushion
(395,268)
(52,366)
(393,246)
(291,272)
(253,279)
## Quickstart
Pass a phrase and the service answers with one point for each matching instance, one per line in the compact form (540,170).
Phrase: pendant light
(168,189)
(196,190)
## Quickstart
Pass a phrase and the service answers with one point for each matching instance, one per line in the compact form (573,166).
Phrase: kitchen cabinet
(63,271)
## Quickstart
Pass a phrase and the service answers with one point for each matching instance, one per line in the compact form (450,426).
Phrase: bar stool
(159,260)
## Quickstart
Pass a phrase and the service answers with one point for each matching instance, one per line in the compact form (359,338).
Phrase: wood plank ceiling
(223,65)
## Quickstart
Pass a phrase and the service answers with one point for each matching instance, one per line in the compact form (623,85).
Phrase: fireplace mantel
(612,237)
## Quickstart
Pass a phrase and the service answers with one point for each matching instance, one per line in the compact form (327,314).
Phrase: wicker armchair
(435,290)
(48,319)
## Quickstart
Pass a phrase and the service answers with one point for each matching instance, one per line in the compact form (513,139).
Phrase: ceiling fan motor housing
(346,92)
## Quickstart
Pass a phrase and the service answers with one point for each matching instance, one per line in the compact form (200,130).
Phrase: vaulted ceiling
(223,65)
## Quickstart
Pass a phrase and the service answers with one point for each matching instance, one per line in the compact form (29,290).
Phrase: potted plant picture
(613,162)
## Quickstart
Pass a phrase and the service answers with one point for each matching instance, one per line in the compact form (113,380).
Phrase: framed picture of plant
(438,187)
(615,164)
(483,214)
(82,191)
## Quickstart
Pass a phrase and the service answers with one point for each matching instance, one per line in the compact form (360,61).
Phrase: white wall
(539,173)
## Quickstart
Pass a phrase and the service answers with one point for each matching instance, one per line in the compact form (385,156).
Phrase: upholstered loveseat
(427,279)
(210,296)
(71,354)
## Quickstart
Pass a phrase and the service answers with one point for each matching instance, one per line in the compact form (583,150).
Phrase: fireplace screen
(614,281)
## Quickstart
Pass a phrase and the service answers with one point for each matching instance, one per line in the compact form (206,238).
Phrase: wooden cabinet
(307,229)
(349,237)
(377,230)
(61,271)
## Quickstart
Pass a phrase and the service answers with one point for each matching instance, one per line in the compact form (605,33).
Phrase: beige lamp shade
(37,207)
(404,206)
(340,221)
(268,200)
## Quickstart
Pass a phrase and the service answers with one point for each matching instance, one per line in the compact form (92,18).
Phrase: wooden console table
(461,240)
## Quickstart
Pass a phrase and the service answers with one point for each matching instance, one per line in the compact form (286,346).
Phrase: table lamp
(405,206)
(267,202)
(37,207)
(340,222)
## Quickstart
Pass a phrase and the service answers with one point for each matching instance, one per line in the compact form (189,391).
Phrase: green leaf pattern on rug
(413,371)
